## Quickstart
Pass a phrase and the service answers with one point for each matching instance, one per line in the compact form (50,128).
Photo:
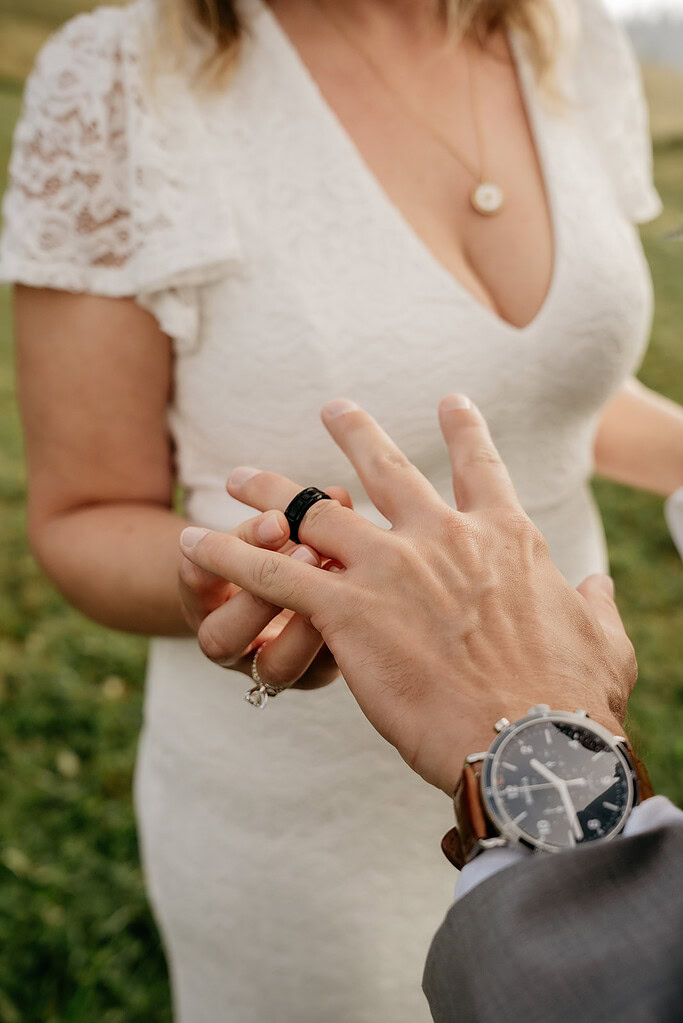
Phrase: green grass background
(76,939)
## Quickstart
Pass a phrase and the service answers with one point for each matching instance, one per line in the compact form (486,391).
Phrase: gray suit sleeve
(594,934)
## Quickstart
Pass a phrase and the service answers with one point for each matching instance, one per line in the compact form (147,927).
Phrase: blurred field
(76,941)
(665,93)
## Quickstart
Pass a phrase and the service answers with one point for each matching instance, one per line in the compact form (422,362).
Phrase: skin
(505,262)
(449,620)
(100,471)
(100,461)
(640,440)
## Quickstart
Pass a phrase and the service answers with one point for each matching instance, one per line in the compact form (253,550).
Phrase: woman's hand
(231,624)
(639,441)
(451,619)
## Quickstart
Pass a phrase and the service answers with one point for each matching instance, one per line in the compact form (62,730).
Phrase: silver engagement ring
(258,695)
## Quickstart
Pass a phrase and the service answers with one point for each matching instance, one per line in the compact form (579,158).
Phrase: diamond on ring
(258,695)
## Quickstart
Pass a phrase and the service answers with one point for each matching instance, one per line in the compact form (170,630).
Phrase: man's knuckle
(629,661)
(458,535)
(392,460)
(539,545)
(266,573)
(616,701)
(519,525)
(454,526)
(483,455)
(623,675)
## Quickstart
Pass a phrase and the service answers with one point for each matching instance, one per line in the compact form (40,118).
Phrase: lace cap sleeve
(610,94)
(112,185)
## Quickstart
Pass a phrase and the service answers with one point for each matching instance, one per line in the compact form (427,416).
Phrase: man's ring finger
(296,509)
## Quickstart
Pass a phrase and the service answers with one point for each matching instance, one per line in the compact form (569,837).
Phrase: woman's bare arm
(640,440)
(94,382)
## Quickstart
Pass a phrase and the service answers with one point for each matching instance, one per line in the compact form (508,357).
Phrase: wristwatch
(550,781)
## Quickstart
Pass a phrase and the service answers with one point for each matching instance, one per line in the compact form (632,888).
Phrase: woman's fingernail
(334,566)
(455,401)
(239,477)
(191,536)
(269,529)
(607,583)
(338,407)
(305,555)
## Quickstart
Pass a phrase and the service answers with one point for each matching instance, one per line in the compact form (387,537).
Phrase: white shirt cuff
(653,813)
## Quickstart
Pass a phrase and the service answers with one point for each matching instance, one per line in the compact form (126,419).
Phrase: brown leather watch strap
(645,786)
(472,823)
(460,842)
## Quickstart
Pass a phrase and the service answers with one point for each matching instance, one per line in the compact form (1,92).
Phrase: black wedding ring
(296,509)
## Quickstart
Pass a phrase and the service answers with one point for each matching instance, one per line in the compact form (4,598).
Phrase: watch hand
(570,810)
(544,785)
(544,771)
(562,788)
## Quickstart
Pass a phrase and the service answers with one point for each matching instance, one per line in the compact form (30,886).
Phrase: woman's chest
(336,294)
(343,309)
(426,122)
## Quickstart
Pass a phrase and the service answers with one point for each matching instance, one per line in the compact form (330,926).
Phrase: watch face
(553,783)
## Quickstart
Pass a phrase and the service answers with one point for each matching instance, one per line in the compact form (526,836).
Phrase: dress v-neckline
(393,212)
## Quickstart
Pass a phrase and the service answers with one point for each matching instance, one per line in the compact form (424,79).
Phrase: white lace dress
(292,859)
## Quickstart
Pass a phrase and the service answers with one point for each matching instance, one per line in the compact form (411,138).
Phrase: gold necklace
(487,198)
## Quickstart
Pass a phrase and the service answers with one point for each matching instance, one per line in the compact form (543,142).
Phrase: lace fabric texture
(115,191)
(112,189)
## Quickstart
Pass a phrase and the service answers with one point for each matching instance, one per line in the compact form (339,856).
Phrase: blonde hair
(220,24)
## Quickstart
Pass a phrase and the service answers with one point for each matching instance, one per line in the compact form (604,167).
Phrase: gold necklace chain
(487,198)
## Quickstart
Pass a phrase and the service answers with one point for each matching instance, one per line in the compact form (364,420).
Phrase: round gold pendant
(487,199)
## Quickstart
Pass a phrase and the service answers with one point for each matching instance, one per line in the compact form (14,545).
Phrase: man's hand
(231,624)
(452,618)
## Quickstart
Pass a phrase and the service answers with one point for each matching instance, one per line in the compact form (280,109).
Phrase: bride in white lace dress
(199,266)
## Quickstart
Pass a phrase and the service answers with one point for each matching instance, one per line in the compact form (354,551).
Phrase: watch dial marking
(577,793)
